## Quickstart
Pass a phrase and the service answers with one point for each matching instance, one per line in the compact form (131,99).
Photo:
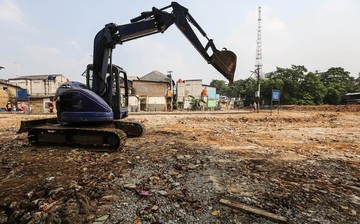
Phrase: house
(39,85)
(10,93)
(188,90)
(151,91)
(212,97)
(41,89)
(352,98)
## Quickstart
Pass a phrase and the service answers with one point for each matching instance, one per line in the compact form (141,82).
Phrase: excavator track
(132,129)
(96,138)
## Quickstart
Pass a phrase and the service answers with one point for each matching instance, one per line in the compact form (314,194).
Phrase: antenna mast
(258,63)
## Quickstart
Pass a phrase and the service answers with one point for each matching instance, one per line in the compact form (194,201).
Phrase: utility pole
(258,64)
(171,89)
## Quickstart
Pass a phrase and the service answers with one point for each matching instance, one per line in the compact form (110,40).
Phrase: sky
(43,37)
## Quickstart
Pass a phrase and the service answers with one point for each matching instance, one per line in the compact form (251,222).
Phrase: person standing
(23,107)
(8,107)
(51,107)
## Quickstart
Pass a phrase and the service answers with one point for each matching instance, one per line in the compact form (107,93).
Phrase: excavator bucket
(225,62)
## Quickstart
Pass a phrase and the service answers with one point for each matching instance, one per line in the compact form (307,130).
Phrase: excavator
(91,115)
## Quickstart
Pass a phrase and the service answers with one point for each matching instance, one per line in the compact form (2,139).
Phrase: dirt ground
(301,164)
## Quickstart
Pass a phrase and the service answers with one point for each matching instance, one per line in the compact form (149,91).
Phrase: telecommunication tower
(258,63)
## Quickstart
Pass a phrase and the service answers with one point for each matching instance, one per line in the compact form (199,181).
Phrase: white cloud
(10,13)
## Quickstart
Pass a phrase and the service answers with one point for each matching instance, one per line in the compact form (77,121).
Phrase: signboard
(275,96)
(21,94)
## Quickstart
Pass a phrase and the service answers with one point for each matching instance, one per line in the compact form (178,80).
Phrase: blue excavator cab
(77,104)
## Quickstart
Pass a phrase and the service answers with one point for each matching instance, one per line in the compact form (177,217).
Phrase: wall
(180,91)
(212,103)
(147,88)
(40,105)
(156,103)
(194,88)
(189,87)
(39,85)
(134,104)
(41,90)
(151,94)
(211,91)
(7,93)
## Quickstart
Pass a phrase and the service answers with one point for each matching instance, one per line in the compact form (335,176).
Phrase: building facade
(7,94)
(151,95)
(41,89)
(39,85)
(149,92)
(190,90)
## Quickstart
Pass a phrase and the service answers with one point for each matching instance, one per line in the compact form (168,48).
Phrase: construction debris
(302,166)
(253,210)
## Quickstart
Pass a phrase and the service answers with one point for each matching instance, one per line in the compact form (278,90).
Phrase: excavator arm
(152,22)
(91,118)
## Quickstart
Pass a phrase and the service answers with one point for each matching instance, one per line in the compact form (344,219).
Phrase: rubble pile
(298,167)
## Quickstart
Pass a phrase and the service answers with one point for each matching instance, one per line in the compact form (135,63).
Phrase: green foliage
(267,85)
(337,82)
(313,90)
(196,103)
(296,85)
(291,78)
(244,88)
(356,84)
(221,86)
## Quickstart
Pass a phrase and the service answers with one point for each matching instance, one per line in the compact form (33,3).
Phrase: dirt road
(302,165)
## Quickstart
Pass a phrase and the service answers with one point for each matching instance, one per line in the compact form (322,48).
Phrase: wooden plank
(254,210)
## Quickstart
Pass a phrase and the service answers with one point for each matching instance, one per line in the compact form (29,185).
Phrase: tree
(355,87)
(267,86)
(234,89)
(247,89)
(221,86)
(291,78)
(313,90)
(338,82)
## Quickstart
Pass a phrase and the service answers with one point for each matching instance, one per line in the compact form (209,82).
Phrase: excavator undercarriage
(110,137)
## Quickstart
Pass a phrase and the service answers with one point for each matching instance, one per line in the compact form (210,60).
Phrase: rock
(14,205)
(101,219)
(163,193)
(154,208)
(75,186)
(50,178)
(3,217)
(129,186)
(215,213)
(144,193)
(175,184)
(55,191)
(30,194)
(109,198)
